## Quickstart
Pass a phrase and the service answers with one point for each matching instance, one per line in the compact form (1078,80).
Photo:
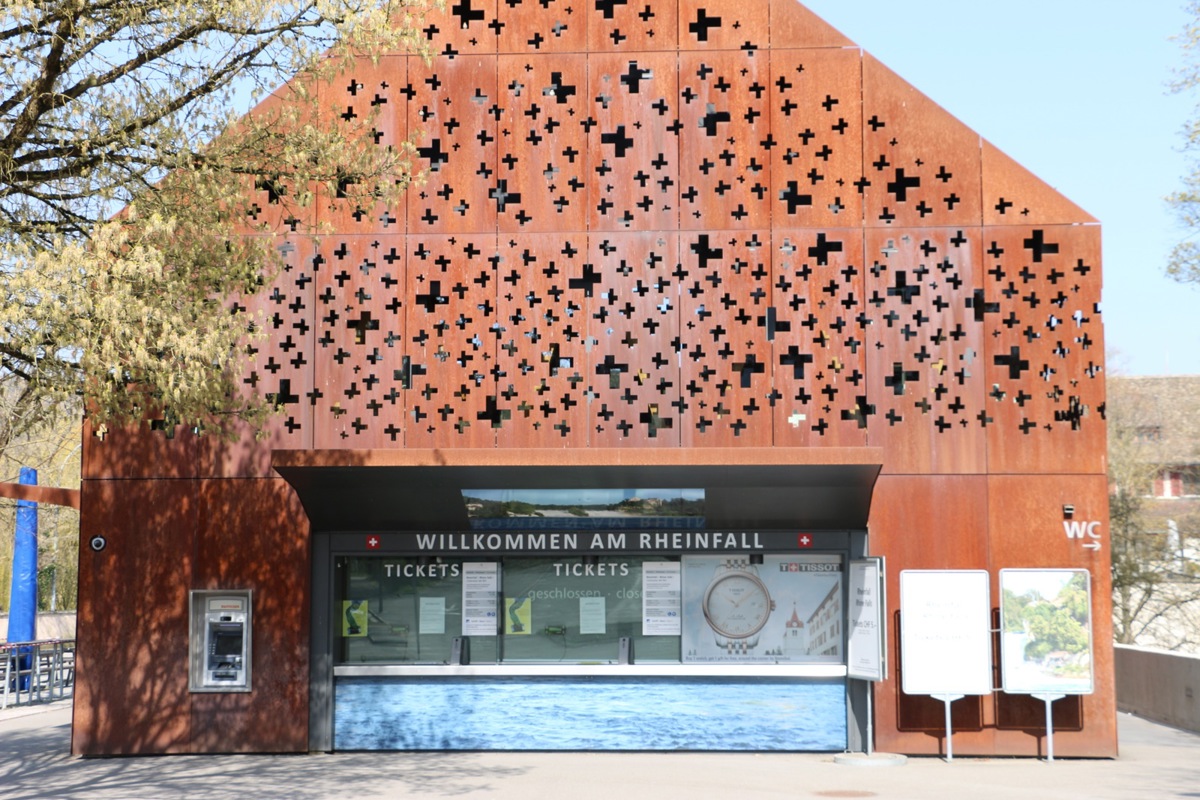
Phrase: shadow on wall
(1015,712)
(222,520)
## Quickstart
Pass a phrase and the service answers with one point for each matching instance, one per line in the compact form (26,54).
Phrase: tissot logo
(797,566)
(373,542)
(804,540)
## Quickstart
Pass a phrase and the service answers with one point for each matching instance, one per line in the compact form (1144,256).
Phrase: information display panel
(1046,631)
(945,632)
(866,657)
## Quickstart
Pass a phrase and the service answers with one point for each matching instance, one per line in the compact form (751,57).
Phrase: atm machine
(220,641)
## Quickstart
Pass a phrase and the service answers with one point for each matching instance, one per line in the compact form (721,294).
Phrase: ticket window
(219,645)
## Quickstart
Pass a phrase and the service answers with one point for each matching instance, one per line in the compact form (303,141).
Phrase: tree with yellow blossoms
(124,178)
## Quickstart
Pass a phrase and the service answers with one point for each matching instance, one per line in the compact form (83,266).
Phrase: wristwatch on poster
(737,605)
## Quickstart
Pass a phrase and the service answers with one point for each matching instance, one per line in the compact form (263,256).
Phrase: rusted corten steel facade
(650,225)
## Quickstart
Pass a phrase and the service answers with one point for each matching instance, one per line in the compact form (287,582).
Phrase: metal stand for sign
(948,699)
(1049,699)
(870,720)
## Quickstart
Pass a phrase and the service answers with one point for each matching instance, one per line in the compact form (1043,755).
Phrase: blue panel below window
(589,714)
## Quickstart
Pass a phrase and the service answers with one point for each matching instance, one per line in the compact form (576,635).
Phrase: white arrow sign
(1080,529)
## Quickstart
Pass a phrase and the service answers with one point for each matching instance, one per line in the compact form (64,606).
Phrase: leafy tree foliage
(123,188)
(1184,262)
(1053,624)
(53,450)
(1156,599)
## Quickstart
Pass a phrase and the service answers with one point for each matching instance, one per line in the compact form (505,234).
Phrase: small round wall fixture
(98,543)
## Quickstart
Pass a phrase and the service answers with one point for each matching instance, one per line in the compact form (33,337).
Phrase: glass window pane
(401,611)
(576,610)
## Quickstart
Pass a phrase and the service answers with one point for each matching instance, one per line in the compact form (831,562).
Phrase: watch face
(737,605)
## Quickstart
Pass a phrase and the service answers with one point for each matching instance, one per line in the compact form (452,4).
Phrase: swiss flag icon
(804,540)
(373,542)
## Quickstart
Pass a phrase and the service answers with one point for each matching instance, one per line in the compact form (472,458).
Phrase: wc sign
(1087,532)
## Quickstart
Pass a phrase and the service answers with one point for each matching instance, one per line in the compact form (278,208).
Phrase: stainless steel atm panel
(220,653)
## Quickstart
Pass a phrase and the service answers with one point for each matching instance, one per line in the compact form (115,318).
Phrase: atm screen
(227,643)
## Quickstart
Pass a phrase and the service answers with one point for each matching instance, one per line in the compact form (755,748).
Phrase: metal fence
(36,672)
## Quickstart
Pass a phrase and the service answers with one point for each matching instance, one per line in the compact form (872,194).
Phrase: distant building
(1160,416)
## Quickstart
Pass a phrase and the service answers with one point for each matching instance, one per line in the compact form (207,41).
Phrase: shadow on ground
(39,767)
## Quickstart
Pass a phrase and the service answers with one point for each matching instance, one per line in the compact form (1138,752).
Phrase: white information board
(480,582)
(1046,631)
(866,658)
(661,598)
(945,632)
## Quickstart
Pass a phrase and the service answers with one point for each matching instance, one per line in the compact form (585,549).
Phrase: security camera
(98,543)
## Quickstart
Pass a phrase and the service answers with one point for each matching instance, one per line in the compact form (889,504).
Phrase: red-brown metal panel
(925,349)
(281,364)
(275,205)
(1012,195)
(110,451)
(926,522)
(279,368)
(1025,525)
(724,160)
(359,358)
(633,142)
(793,25)
(450,340)
(455,107)
(368,101)
(461,28)
(542,26)
(542,156)
(816,133)
(921,166)
(631,27)
(254,535)
(633,339)
(1044,356)
(131,686)
(724,305)
(542,361)
(705,25)
(818,330)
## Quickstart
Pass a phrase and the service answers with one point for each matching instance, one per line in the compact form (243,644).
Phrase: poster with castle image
(786,609)
(1046,631)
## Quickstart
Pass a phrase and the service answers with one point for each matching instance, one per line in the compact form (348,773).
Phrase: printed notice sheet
(661,598)
(433,615)
(479,599)
(591,615)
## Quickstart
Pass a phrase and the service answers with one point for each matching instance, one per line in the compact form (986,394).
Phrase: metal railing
(36,672)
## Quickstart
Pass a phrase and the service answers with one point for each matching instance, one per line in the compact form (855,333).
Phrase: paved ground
(1156,762)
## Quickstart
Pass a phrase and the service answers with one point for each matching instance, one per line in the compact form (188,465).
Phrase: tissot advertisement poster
(786,609)
(1046,645)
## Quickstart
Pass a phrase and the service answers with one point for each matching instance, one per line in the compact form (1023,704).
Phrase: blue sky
(1077,93)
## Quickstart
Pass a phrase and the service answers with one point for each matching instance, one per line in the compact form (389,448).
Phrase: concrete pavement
(1156,762)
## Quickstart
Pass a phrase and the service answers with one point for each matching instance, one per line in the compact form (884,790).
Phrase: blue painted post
(22,607)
